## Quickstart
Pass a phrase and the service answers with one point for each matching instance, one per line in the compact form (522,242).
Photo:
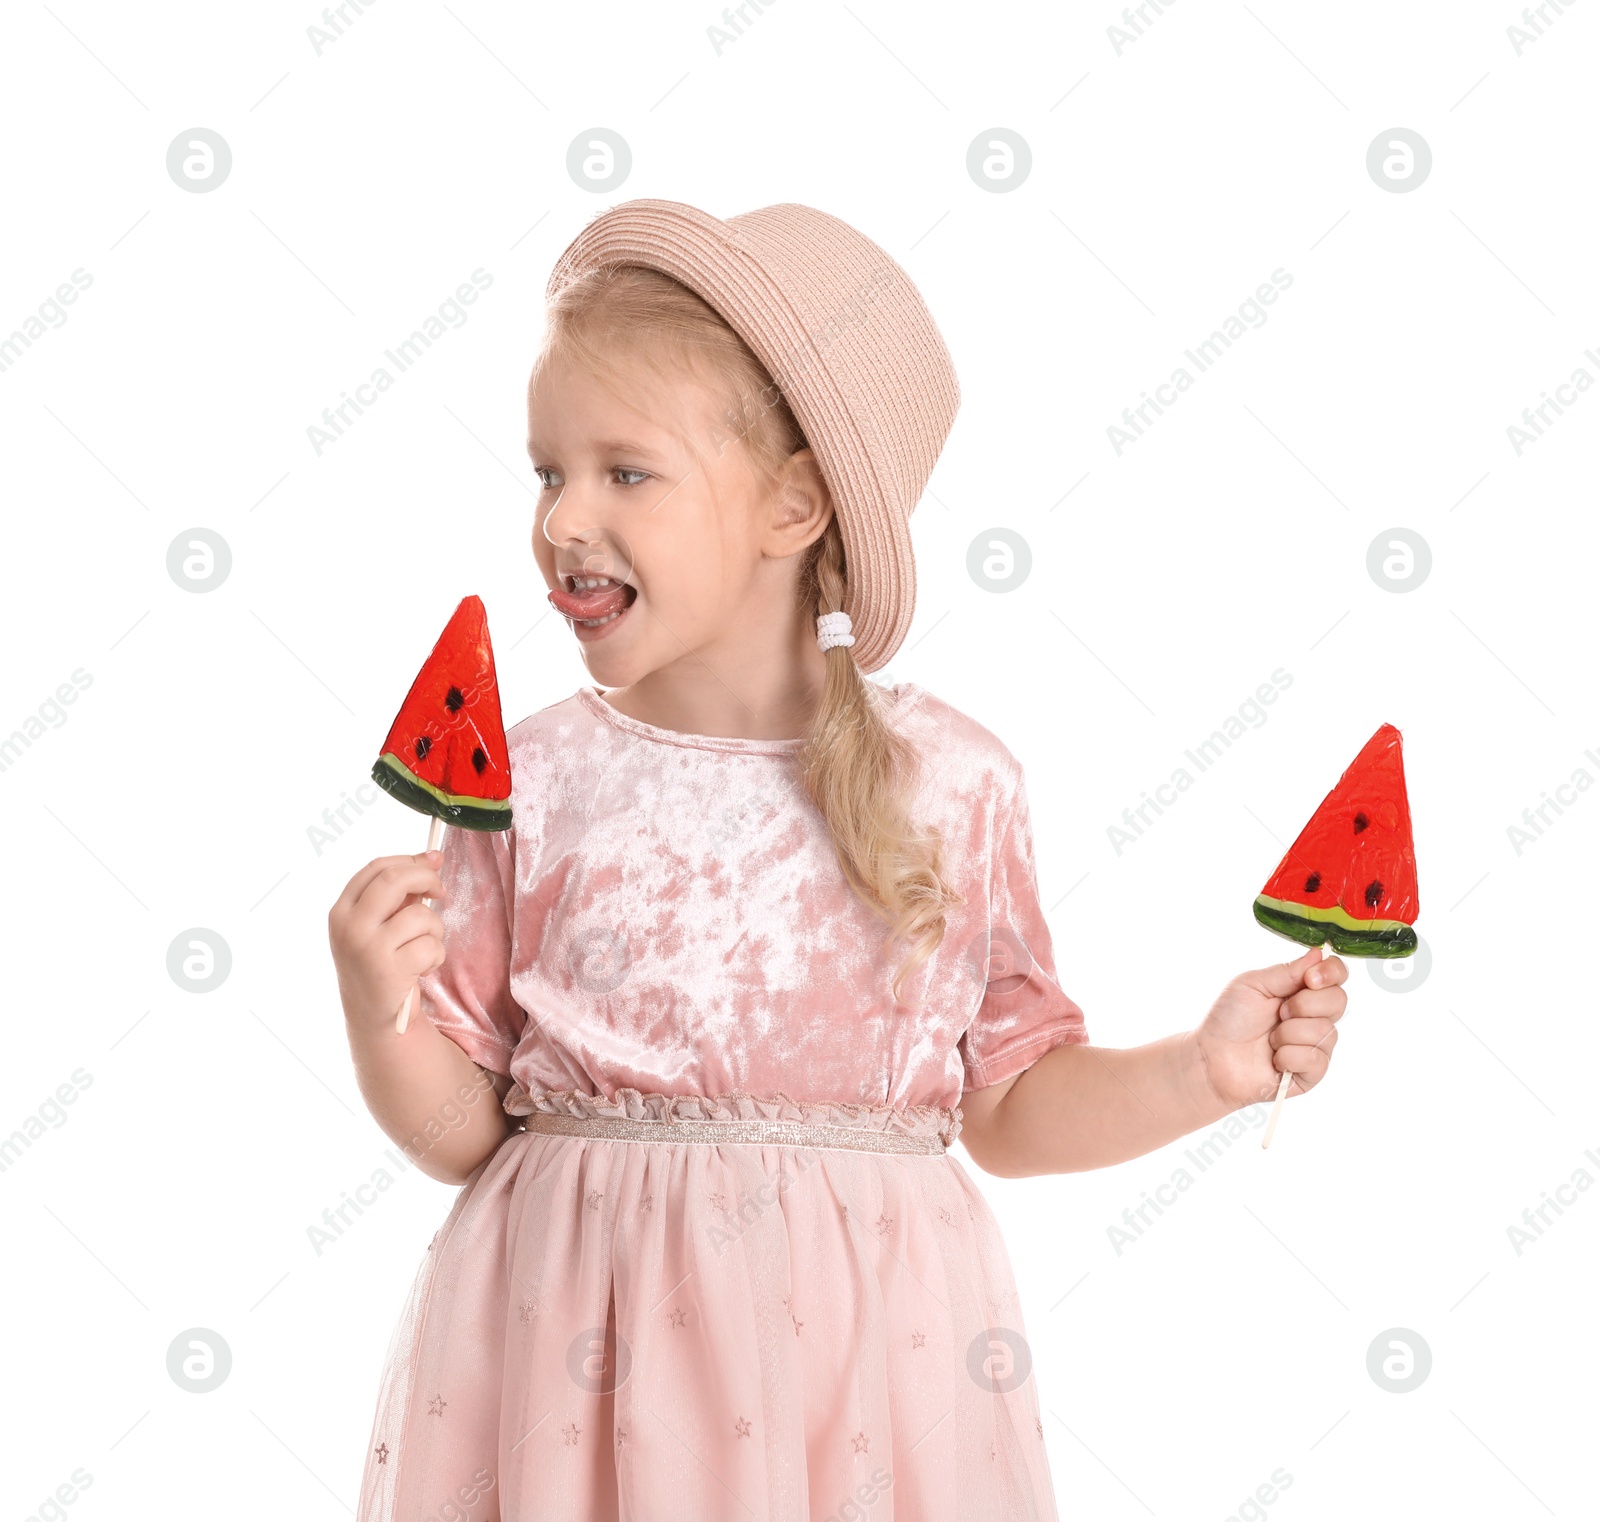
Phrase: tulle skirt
(652,1330)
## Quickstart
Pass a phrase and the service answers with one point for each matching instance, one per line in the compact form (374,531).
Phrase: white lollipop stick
(1283,1094)
(403,1019)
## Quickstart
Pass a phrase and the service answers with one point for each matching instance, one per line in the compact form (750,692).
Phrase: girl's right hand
(384,937)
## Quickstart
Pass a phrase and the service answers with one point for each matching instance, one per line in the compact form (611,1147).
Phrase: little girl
(763,940)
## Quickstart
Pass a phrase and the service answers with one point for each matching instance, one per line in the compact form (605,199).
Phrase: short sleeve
(1024,1013)
(468,996)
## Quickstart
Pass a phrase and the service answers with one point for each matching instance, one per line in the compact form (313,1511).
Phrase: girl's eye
(545,472)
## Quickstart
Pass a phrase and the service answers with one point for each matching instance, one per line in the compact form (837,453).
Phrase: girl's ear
(802,505)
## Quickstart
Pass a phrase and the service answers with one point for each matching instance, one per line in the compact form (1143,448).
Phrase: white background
(1168,180)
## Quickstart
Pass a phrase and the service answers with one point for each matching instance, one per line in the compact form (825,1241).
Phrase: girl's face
(691,558)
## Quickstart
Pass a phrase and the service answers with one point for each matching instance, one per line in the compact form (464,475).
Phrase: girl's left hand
(1272,1021)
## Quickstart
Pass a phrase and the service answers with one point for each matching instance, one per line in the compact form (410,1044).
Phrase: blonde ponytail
(860,773)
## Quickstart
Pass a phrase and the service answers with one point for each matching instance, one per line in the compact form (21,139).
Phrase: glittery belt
(771,1133)
(736,1118)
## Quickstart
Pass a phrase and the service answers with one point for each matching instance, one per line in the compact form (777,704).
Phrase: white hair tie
(834,629)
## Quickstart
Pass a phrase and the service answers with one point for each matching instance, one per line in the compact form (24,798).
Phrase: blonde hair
(857,770)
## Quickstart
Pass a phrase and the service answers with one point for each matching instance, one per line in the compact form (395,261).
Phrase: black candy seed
(1360,822)
(1313,882)
(480,759)
(454,702)
(424,745)
(1374,893)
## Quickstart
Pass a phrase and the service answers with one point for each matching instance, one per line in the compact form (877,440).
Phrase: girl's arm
(429,1097)
(1081,1107)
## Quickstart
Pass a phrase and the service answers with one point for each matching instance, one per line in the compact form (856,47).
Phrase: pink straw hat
(846,336)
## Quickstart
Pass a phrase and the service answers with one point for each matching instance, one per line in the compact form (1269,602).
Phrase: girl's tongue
(593,602)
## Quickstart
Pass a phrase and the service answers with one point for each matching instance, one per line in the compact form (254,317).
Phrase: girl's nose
(572,518)
(581,538)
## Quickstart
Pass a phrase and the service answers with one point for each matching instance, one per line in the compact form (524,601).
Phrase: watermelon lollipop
(1350,878)
(445,754)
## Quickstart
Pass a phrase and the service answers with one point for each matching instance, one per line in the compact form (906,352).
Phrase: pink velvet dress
(659,1330)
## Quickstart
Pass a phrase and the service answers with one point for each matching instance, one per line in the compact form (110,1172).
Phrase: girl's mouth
(594,604)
